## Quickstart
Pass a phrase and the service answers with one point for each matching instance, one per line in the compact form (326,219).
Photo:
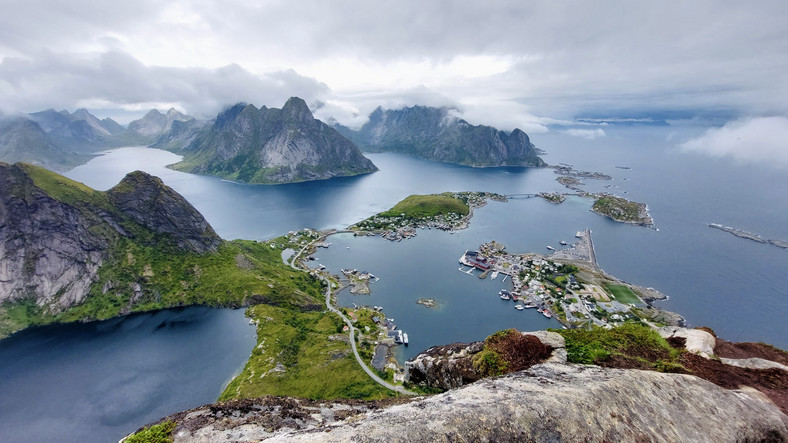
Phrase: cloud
(540,60)
(117,79)
(760,139)
(588,134)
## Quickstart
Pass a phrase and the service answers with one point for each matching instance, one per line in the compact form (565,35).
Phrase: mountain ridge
(435,134)
(271,146)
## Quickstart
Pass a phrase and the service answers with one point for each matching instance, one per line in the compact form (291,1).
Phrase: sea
(736,286)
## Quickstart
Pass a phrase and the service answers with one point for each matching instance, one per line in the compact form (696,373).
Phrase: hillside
(23,140)
(434,134)
(270,145)
(73,253)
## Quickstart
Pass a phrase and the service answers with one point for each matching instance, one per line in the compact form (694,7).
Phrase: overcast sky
(509,63)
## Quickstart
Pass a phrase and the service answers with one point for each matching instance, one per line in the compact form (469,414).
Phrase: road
(352,334)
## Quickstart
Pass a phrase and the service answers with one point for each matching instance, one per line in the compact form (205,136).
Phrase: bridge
(518,196)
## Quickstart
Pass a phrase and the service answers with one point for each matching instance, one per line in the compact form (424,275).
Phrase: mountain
(272,146)
(23,140)
(154,123)
(79,130)
(71,253)
(55,234)
(434,134)
(180,135)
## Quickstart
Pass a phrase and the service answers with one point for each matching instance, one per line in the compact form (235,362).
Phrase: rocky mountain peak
(156,206)
(295,109)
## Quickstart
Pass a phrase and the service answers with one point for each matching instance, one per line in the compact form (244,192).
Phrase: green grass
(310,363)
(160,433)
(617,208)
(169,277)
(623,294)
(423,206)
(631,341)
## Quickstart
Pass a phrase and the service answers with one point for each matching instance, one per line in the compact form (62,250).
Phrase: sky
(526,64)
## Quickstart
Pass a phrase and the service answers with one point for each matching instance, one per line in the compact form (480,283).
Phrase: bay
(99,381)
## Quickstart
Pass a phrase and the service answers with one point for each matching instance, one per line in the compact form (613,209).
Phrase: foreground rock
(548,402)
(458,364)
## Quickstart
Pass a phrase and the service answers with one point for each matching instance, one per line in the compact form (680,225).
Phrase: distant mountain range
(267,145)
(435,134)
(59,140)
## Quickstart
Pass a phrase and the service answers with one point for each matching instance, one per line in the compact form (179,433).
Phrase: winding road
(352,334)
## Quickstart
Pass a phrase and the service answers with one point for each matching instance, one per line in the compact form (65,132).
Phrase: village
(563,287)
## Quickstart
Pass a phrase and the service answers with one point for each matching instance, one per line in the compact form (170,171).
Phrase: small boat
(563,243)
(519,307)
(494,275)
(551,248)
(405,339)
(505,297)
(530,305)
(547,313)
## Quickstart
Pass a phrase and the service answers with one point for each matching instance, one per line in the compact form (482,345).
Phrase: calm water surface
(97,382)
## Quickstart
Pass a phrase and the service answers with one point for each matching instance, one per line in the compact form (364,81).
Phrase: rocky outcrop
(55,234)
(548,402)
(272,146)
(149,202)
(451,366)
(697,341)
(435,134)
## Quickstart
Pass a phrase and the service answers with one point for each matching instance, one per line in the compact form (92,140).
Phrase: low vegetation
(301,354)
(160,433)
(508,351)
(630,345)
(620,209)
(422,206)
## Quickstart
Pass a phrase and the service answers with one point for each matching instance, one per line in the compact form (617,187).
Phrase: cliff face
(55,233)
(272,146)
(155,206)
(548,402)
(434,134)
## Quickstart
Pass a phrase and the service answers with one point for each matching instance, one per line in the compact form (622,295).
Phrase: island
(622,210)
(427,302)
(447,211)
(749,235)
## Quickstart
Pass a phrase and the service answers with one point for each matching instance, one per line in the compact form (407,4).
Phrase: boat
(519,307)
(547,313)
(505,297)
(494,275)
(405,339)
(563,243)
(530,305)
(550,248)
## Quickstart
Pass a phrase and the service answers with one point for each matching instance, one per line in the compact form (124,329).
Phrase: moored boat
(519,307)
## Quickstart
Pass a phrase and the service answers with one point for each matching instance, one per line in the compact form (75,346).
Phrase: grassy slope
(302,355)
(420,206)
(617,208)
(633,342)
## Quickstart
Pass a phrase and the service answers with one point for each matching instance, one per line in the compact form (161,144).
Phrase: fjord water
(736,286)
(96,382)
